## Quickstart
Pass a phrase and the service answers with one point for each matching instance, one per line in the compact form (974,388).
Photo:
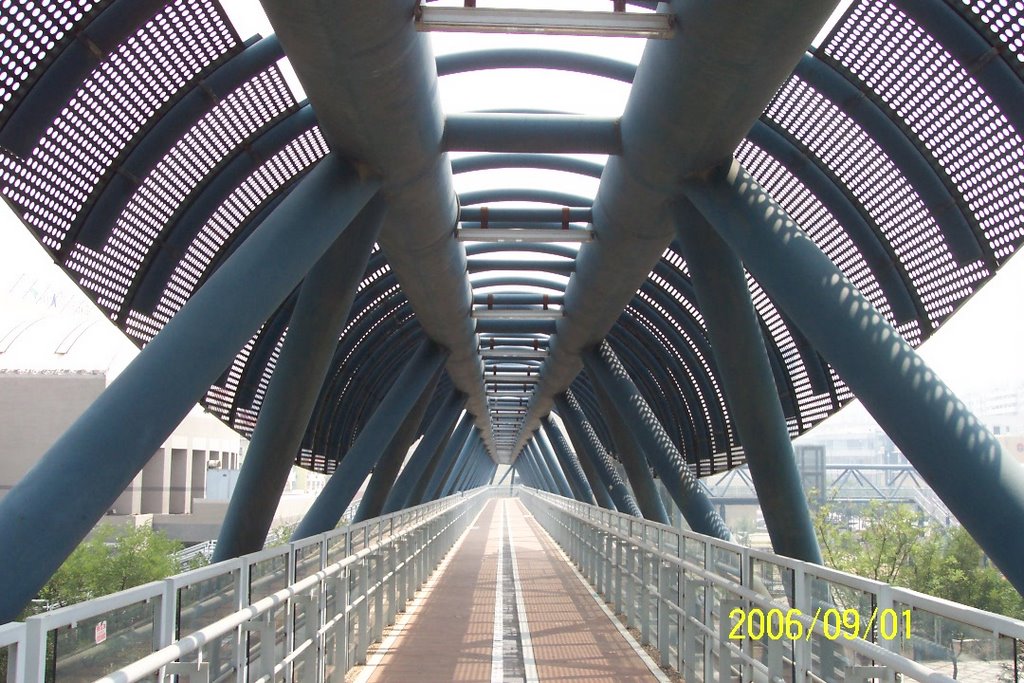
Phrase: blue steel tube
(549,459)
(372,80)
(455,473)
(550,133)
(318,319)
(466,467)
(437,472)
(549,456)
(372,442)
(539,475)
(427,451)
(584,474)
(390,461)
(949,447)
(589,446)
(632,457)
(749,386)
(604,367)
(55,505)
(555,478)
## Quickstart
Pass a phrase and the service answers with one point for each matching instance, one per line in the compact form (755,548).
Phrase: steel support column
(549,455)
(372,442)
(463,468)
(455,472)
(586,476)
(632,457)
(386,469)
(589,446)
(373,82)
(603,367)
(314,327)
(56,504)
(542,474)
(554,478)
(952,450)
(748,384)
(437,473)
(426,452)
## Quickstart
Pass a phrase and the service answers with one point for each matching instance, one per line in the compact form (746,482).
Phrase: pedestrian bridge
(669,263)
(501,585)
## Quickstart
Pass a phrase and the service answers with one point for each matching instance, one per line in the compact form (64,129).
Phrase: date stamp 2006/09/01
(831,623)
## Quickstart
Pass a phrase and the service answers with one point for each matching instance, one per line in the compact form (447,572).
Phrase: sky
(978,349)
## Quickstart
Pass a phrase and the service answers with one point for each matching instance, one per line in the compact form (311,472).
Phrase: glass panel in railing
(772,580)
(693,550)
(8,655)
(727,563)
(206,602)
(337,548)
(266,578)
(307,560)
(841,615)
(951,647)
(95,646)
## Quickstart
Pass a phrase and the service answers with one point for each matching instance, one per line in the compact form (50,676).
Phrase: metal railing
(304,611)
(719,611)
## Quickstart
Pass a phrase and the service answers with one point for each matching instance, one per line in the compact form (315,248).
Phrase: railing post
(609,561)
(241,635)
(363,582)
(664,612)
(630,611)
(622,556)
(310,627)
(34,652)
(645,597)
(689,631)
(268,643)
(342,627)
(724,651)
(801,602)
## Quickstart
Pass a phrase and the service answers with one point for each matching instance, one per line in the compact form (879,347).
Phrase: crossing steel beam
(687,111)
(372,81)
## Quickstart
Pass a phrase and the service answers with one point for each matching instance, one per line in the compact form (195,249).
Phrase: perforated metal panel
(1004,20)
(863,167)
(30,33)
(106,113)
(165,193)
(944,106)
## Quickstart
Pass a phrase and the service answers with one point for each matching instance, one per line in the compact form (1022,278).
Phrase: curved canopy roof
(144,140)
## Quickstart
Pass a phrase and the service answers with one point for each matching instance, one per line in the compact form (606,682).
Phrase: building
(53,365)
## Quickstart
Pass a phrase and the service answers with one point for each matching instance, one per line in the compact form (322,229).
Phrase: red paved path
(447,636)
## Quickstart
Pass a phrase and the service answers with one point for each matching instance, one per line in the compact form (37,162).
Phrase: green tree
(892,543)
(112,559)
(873,541)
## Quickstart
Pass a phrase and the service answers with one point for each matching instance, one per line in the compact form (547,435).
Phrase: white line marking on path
(529,663)
(498,637)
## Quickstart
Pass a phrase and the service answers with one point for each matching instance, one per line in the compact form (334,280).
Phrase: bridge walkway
(508,606)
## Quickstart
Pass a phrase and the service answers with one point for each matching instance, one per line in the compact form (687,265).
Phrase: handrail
(602,541)
(399,550)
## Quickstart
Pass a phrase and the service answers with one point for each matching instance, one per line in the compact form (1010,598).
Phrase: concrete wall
(35,409)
